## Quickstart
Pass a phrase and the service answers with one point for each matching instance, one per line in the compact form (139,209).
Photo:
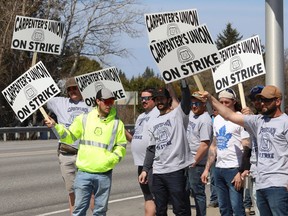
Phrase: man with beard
(169,153)
(271,130)
(139,143)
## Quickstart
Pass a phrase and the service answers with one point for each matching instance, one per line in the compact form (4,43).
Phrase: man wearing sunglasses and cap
(102,145)
(271,131)
(227,148)
(66,109)
(199,135)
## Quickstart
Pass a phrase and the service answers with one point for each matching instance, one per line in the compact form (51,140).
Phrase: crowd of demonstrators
(199,135)
(271,131)
(227,147)
(168,152)
(170,148)
(66,109)
(102,145)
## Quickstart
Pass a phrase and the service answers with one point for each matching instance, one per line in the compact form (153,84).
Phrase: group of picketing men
(174,145)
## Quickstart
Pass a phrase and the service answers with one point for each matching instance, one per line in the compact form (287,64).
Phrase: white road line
(19,154)
(112,201)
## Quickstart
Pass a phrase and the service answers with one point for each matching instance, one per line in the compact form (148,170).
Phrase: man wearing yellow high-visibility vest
(102,145)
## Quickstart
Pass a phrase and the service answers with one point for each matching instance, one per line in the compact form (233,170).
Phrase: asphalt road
(31,183)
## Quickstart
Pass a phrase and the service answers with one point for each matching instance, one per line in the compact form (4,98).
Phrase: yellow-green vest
(102,141)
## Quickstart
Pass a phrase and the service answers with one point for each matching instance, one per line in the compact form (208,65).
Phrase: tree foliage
(228,37)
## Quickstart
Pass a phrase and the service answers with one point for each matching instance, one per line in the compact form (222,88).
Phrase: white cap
(227,93)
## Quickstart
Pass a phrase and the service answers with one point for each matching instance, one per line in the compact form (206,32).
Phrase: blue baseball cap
(255,91)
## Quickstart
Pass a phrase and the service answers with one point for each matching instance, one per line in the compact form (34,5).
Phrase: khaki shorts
(68,170)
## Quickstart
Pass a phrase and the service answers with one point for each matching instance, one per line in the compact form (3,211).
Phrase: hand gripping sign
(30,91)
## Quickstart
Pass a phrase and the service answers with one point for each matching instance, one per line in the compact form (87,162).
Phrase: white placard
(38,35)
(241,61)
(131,98)
(168,24)
(30,91)
(185,54)
(90,83)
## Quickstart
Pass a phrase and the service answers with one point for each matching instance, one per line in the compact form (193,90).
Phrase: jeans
(86,183)
(230,200)
(247,198)
(172,187)
(272,201)
(213,192)
(254,198)
(197,189)
(247,195)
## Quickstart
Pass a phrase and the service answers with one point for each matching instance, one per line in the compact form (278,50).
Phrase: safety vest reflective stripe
(101,145)
(123,145)
(64,135)
(84,120)
(93,143)
(114,131)
(120,158)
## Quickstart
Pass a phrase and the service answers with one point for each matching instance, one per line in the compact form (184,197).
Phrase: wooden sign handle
(242,96)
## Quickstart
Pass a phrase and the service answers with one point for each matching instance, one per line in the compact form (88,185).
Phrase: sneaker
(213,205)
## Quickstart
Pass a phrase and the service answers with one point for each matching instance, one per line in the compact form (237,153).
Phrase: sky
(247,16)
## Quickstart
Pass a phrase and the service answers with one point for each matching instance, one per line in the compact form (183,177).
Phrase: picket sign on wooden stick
(198,83)
(241,93)
(201,88)
(45,115)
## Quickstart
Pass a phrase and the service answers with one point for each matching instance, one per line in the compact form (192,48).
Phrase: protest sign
(90,83)
(168,24)
(30,91)
(185,54)
(38,35)
(241,61)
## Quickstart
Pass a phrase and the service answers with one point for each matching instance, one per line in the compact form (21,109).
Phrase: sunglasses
(146,98)
(265,100)
(108,102)
(72,88)
(197,104)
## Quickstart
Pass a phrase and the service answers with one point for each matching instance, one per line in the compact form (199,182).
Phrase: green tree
(228,37)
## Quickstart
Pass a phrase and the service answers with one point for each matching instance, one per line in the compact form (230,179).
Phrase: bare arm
(128,135)
(212,153)
(224,111)
(201,151)
(175,101)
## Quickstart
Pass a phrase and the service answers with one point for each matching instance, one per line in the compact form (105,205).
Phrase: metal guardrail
(35,132)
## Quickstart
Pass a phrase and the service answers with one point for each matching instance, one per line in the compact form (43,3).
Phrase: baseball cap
(161,92)
(104,93)
(70,82)
(270,91)
(227,93)
(254,91)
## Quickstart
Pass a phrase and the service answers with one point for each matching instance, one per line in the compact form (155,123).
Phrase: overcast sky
(247,16)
